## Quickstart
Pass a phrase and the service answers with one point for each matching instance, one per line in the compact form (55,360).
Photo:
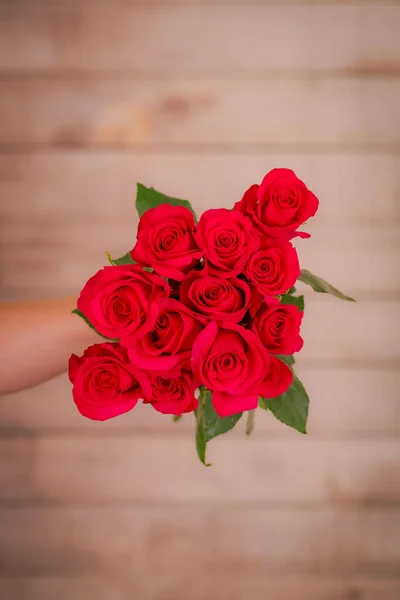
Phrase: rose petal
(226,405)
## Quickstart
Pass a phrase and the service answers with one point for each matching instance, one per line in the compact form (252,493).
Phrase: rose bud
(165,241)
(227,239)
(105,384)
(278,327)
(280,205)
(232,362)
(123,302)
(274,268)
(214,298)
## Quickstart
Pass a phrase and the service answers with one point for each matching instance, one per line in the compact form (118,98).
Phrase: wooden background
(200,99)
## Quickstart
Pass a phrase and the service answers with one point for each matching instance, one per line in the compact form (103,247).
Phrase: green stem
(201,440)
(250,422)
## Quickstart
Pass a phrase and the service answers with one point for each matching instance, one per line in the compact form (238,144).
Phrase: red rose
(279,205)
(227,239)
(105,383)
(278,327)
(165,241)
(232,362)
(171,339)
(277,379)
(122,301)
(173,394)
(215,298)
(274,269)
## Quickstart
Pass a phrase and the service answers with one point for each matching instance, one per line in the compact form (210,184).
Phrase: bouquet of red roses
(203,316)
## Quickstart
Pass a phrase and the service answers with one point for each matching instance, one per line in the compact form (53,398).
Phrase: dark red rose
(165,241)
(213,298)
(173,393)
(274,269)
(123,302)
(105,384)
(232,362)
(280,205)
(278,327)
(171,339)
(227,239)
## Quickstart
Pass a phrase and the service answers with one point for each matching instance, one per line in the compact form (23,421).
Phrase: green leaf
(124,260)
(250,422)
(78,312)
(296,300)
(149,198)
(320,285)
(209,424)
(201,438)
(176,418)
(291,407)
(291,291)
(287,359)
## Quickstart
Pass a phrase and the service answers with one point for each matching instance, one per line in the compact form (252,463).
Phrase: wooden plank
(358,189)
(345,402)
(206,114)
(126,36)
(346,256)
(72,469)
(360,332)
(8,5)
(174,540)
(212,585)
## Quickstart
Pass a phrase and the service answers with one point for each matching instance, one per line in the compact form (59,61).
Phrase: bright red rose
(277,379)
(227,239)
(105,384)
(278,327)
(213,298)
(280,205)
(123,302)
(171,339)
(165,241)
(274,269)
(173,393)
(232,362)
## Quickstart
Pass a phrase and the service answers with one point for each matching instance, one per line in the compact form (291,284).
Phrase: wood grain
(175,587)
(124,36)
(345,402)
(353,113)
(120,469)
(362,190)
(96,95)
(257,541)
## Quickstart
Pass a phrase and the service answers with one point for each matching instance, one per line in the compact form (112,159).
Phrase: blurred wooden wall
(200,99)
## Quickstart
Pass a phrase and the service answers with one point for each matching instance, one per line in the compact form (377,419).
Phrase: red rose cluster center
(199,306)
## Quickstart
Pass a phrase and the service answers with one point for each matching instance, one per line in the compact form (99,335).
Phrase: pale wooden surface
(95,96)
(99,469)
(202,114)
(175,586)
(143,533)
(246,37)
